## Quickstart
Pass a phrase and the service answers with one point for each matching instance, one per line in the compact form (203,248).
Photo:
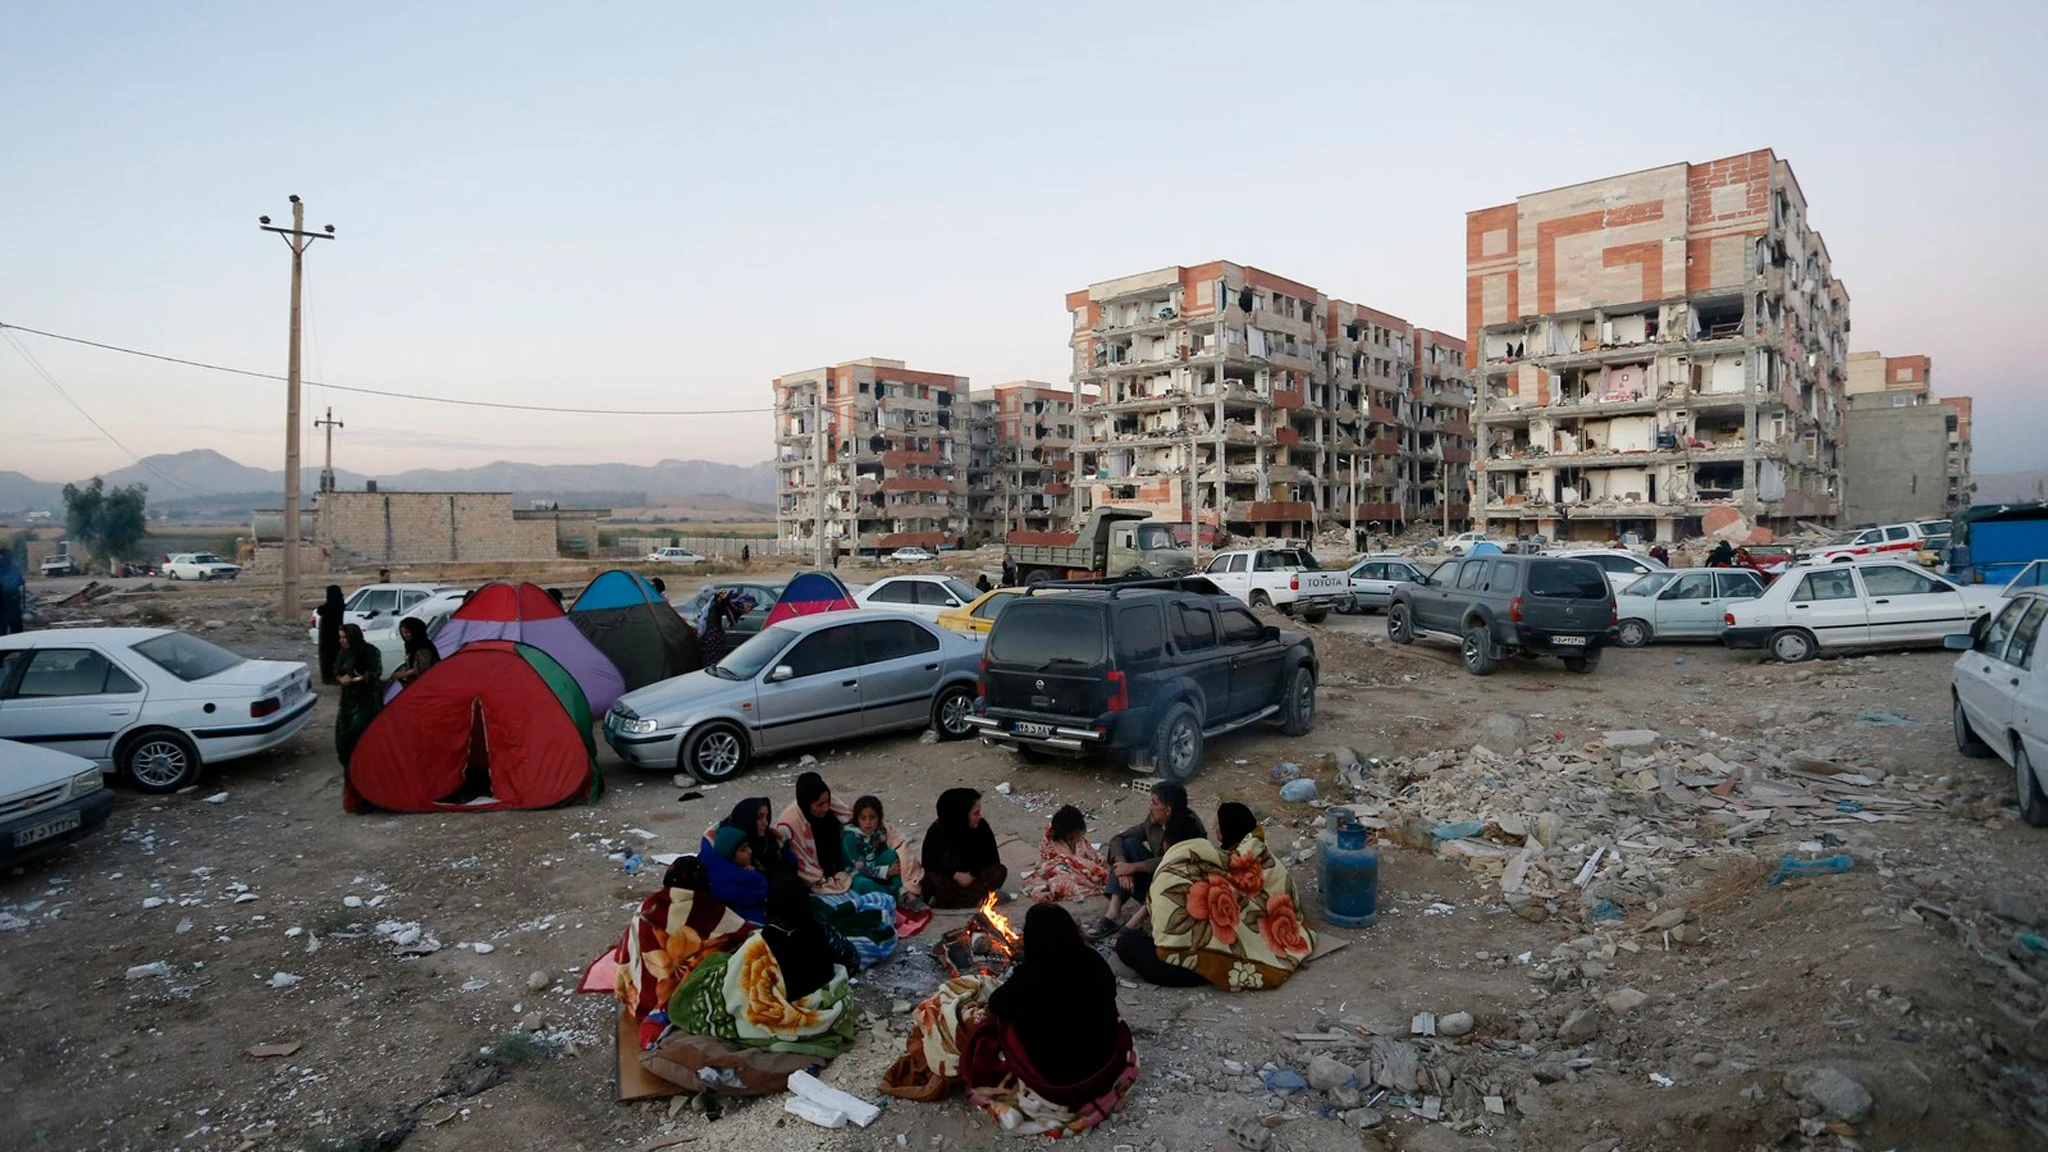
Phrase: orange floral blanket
(1230,915)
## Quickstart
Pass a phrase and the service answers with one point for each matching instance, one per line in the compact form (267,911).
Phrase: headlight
(636,727)
(85,782)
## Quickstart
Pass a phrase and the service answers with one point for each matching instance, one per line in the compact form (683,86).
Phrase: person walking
(360,672)
(13,592)
(746,554)
(1009,571)
(329,615)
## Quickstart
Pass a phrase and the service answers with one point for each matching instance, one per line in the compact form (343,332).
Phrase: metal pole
(327,466)
(298,240)
(1353,493)
(818,465)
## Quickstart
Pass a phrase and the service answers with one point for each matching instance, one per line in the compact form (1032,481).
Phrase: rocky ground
(1589,938)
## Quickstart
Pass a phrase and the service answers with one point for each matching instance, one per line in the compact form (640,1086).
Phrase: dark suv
(1500,606)
(1140,671)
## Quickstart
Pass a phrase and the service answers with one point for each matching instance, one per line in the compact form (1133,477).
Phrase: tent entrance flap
(476,768)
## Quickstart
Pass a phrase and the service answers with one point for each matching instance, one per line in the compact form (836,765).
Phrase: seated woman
(743,887)
(776,1002)
(1046,1053)
(961,864)
(675,929)
(1069,867)
(1135,946)
(1229,914)
(812,830)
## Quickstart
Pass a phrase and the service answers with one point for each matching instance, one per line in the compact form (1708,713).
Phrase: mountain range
(203,478)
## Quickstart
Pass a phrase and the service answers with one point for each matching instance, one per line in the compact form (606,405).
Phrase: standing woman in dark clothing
(961,864)
(712,644)
(360,672)
(420,653)
(329,613)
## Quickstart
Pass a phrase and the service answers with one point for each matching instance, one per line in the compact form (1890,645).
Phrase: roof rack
(1200,585)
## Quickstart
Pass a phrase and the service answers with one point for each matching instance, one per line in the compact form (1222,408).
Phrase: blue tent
(1484,548)
(627,620)
(808,593)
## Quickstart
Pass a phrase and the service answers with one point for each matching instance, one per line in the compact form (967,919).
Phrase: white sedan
(1621,567)
(2000,691)
(673,556)
(1822,607)
(379,605)
(47,799)
(911,555)
(924,596)
(432,611)
(154,704)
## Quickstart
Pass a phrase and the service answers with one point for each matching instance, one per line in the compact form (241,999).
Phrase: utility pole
(327,464)
(1354,500)
(298,240)
(818,469)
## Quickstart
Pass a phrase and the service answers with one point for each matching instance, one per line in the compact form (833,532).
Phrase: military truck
(1111,542)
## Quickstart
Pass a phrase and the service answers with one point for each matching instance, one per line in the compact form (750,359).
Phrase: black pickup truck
(1142,672)
(1496,606)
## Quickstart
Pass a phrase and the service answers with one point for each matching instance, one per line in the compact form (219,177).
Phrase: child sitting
(874,865)
(1069,867)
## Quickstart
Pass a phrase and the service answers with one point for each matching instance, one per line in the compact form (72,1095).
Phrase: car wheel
(1399,628)
(1298,707)
(1316,615)
(2033,805)
(170,575)
(713,753)
(1633,634)
(1477,650)
(1177,743)
(1260,599)
(1582,664)
(1135,574)
(1967,741)
(951,711)
(1793,645)
(160,761)
(1037,576)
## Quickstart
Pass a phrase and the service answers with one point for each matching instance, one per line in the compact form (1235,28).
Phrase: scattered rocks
(2009,904)
(1837,1094)
(1363,1118)
(538,981)
(1396,1064)
(1579,1027)
(1630,738)
(217,798)
(283,979)
(1327,1072)
(1502,730)
(1626,1000)
(154,970)
(1454,1024)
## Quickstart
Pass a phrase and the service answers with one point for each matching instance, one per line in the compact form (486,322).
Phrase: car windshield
(1844,539)
(186,657)
(1041,634)
(962,591)
(1155,536)
(746,661)
(1567,580)
(1649,585)
(206,558)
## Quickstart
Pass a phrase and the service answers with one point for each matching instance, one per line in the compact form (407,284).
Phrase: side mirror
(1272,633)
(1959,643)
(781,672)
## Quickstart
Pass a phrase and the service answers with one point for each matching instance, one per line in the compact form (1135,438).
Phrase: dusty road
(1913,974)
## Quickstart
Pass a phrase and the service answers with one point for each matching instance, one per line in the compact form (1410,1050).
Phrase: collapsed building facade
(866,453)
(1656,352)
(1227,394)
(1020,469)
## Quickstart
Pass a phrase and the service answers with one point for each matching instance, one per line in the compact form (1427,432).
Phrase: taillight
(1515,610)
(1613,615)
(264,707)
(1294,583)
(1728,618)
(1119,692)
(981,681)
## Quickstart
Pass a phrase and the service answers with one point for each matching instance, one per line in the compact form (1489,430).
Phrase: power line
(385,392)
(80,408)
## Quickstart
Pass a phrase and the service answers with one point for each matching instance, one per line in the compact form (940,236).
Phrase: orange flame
(997,920)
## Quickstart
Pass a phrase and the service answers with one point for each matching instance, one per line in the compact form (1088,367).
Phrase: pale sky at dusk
(667,207)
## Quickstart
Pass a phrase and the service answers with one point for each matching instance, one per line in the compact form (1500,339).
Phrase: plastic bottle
(1349,870)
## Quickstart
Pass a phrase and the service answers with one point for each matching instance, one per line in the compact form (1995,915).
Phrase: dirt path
(1909,973)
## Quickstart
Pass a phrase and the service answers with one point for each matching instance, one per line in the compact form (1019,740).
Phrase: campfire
(984,945)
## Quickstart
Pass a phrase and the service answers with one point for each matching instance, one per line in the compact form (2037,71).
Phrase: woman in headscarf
(1234,822)
(712,643)
(961,863)
(329,615)
(1229,912)
(360,672)
(812,832)
(742,887)
(675,928)
(420,653)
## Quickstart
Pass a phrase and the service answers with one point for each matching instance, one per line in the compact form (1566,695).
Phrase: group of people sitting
(738,969)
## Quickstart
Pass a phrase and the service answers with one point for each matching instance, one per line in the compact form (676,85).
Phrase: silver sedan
(801,682)
(1374,579)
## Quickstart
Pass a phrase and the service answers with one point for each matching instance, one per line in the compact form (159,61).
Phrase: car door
(1733,585)
(1203,660)
(934,598)
(371,606)
(1980,674)
(72,699)
(1687,606)
(1828,603)
(1908,606)
(1254,663)
(1426,603)
(2028,666)
(1368,580)
(899,672)
(819,699)
(1231,573)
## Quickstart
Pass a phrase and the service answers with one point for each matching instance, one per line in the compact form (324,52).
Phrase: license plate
(40,832)
(1035,730)
(1568,641)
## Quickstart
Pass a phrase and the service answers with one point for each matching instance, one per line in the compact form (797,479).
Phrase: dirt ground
(1912,973)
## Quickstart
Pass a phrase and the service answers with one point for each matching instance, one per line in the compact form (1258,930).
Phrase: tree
(108,523)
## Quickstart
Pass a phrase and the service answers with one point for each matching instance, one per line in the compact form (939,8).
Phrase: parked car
(1830,605)
(1285,578)
(750,623)
(1462,543)
(376,605)
(1686,604)
(155,704)
(2034,575)
(382,633)
(1139,672)
(1866,542)
(1999,691)
(979,615)
(1494,607)
(47,799)
(673,556)
(911,555)
(63,564)
(1374,579)
(919,595)
(1621,567)
(198,566)
(801,682)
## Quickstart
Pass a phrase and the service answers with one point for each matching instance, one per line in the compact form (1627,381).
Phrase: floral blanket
(1065,872)
(866,919)
(795,833)
(1001,1081)
(1231,916)
(930,1065)
(675,930)
(739,996)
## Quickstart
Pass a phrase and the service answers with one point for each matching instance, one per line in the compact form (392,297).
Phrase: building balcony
(1286,436)
(1381,414)
(1285,398)
(1457,455)
(1267,511)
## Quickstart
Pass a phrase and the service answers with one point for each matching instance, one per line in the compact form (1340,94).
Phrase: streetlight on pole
(298,240)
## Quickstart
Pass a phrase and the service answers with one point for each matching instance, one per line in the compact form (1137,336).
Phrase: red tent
(495,725)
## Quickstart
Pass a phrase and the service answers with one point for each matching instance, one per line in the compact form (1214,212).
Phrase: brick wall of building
(434,527)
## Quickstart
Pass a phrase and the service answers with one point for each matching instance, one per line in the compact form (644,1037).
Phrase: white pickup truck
(198,566)
(1283,578)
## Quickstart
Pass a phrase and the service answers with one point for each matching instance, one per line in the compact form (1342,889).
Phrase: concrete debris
(157,969)
(1454,1024)
(1625,1000)
(1836,1093)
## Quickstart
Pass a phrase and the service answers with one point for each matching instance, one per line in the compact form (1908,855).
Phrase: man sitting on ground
(1135,851)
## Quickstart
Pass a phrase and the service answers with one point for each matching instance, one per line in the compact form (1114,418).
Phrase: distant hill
(18,493)
(2009,487)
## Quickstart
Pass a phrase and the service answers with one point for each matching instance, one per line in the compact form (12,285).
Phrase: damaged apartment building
(1260,404)
(865,452)
(1655,353)
(1907,451)
(1020,465)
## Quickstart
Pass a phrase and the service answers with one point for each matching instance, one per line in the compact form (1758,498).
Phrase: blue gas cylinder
(1349,870)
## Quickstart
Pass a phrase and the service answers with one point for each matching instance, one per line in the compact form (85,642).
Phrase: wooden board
(633,1082)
